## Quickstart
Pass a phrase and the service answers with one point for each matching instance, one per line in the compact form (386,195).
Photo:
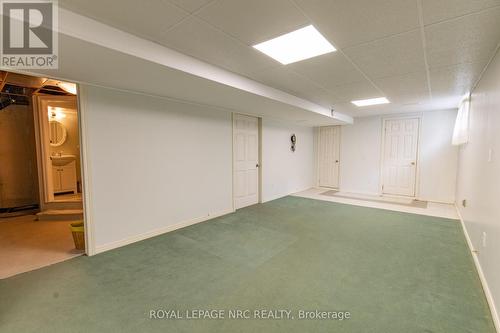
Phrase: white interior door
(400,156)
(329,156)
(246,160)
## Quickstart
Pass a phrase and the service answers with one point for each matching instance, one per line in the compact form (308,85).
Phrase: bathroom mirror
(57,133)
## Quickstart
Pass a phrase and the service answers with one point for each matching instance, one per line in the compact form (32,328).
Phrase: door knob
(336,161)
(412,163)
(257,165)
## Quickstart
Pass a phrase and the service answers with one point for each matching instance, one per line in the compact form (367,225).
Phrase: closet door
(329,156)
(400,156)
(246,160)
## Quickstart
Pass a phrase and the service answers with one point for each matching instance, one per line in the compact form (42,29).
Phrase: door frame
(46,191)
(417,158)
(318,158)
(90,248)
(85,162)
(233,150)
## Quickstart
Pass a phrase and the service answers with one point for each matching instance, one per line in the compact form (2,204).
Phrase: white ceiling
(421,54)
(106,57)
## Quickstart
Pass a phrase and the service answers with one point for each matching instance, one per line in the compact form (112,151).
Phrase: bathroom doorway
(40,172)
(59,150)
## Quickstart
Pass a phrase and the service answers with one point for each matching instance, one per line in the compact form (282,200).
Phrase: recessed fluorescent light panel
(371,101)
(297,45)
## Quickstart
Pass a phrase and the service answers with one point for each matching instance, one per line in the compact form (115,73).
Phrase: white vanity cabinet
(64,178)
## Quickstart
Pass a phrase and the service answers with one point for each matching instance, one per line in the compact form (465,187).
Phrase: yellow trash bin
(78,235)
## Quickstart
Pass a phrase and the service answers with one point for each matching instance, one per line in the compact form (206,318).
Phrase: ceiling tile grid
(351,22)
(328,70)
(440,10)
(468,39)
(253,21)
(395,55)
(380,43)
(146,19)
(405,89)
(198,39)
(455,80)
(355,91)
(191,5)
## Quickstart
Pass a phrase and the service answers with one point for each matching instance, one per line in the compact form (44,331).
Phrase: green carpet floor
(394,272)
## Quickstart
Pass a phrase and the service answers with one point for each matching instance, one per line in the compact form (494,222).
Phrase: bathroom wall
(18,173)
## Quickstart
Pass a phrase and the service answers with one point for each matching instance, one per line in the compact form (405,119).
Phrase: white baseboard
(400,196)
(482,277)
(156,232)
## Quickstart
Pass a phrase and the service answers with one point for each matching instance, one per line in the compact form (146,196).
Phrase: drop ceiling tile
(147,19)
(354,91)
(455,80)
(328,70)
(469,39)
(396,55)
(254,21)
(405,89)
(350,22)
(439,10)
(198,39)
(442,102)
(190,5)
(283,79)
(367,111)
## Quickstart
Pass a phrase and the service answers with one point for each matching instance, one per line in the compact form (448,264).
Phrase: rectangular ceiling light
(297,45)
(371,101)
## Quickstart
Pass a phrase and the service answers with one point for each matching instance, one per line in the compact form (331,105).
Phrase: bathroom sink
(60,160)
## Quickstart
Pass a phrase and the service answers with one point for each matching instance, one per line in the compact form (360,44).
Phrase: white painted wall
(361,154)
(156,164)
(478,179)
(438,157)
(284,171)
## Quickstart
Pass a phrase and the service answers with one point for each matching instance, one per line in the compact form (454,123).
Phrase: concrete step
(60,215)
(56,205)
